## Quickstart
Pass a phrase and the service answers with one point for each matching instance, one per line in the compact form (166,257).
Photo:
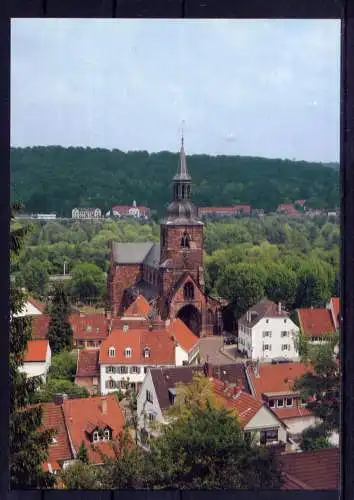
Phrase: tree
(82,453)
(88,282)
(63,366)
(243,285)
(315,438)
(28,446)
(314,284)
(36,278)
(55,385)
(60,334)
(81,475)
(208,451)
(281,284)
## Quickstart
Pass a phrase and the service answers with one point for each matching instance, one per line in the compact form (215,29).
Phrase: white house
(37,359)
(266,332)
(86,213)
(31,307)
(126,355)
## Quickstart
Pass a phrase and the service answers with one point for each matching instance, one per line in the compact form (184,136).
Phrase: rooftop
(315,321)
(36,351)
(87,363)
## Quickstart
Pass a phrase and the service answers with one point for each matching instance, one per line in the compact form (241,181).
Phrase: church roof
(153,257)
(131,253)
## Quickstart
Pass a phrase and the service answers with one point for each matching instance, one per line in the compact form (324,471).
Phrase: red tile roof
(37,304)
(53,418)
(124,209)
(87,363)
(162,348)
(140,307)
(317,470)
(82,416)
(36,351)
(315,322)
(335,307)
(40,326)
(93,326)
(277,379)
(184,336)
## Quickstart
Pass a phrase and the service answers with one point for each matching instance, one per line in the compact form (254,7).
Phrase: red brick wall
(123,277)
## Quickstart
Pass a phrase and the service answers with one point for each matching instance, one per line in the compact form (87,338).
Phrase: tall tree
(28,445)
(60,334)
(281,284)
(88,282)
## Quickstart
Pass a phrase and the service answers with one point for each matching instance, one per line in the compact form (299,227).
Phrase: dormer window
(185,240)
(147,352)
(107,434)
(128,352)
(111,352)
(54,440)
(95,437)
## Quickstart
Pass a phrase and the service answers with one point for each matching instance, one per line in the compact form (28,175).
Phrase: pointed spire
(182,172)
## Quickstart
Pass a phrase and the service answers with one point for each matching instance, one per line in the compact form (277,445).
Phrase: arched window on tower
(185,240)
(188,291)
(183,189)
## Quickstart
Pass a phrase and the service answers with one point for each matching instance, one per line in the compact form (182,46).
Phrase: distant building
(51,216)
(266,332)
(86,213)
(204,212)
(134,210)
(288,209)
(258,212)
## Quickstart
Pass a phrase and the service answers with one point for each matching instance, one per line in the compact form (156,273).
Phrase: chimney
(104,405)
(279,307)
(59,398)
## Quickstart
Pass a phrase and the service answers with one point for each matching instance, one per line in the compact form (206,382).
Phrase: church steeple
(182,172)
(182,181)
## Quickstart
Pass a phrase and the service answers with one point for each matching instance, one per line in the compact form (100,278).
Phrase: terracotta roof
(162,348)
(140,307)
(184,336)
(124,209)
(300,202)
(315,322)
(53,418)
(135,323)
(92,326)
(277,378)
(40,326)
(264,308)
(37,304)
(335,306)
(36,351)
(318,469)
(292,412)
(80,414)
(245,404)
(87,363)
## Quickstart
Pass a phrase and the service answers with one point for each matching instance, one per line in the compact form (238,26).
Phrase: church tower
(181,244)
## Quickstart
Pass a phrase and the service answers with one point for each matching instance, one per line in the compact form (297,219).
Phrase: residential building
(37,359)
(288,209)
(32,307)
(169,274)
(316,324)
(186,340)
(86,213)
(221,212)
(96,422)
(88,370)
(311,470)
(158,391)
(266,332)
(274,385)
(89,330)
(134,210)
(126,355)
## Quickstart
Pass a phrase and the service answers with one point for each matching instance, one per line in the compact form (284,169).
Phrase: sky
(267,88)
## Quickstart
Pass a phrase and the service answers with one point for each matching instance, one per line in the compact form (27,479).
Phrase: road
(209,349)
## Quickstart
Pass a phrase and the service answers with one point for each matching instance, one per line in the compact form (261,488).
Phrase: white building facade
(86,213)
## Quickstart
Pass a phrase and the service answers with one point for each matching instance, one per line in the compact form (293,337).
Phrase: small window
(285,320)
(95,437)
(267,347)
(111,352)
(89,328)
(271,403)
(284,347)
(284,333)
(289,402)
(145,369)
(267,321)
(149,397)
(135,369)
(185,240)
(146,352)
(107,434)
(128,352)
(280,403)
(152,417)
(110,369)
(267,334)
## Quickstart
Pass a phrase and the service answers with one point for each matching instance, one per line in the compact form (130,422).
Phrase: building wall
(263,420)
(38,368)
(181,355)
(144,407)
(297,425)
(252,341)
(92,384)
(120,278)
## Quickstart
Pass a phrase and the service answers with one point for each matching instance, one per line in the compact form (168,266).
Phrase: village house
(126,354)
(318,325)
(288,209)
(37,359)
(273,384)
(266,332)
(94,421)
(32,307)
(86,213)
(88,370)
(134,210)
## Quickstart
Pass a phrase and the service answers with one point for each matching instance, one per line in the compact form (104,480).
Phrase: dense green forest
(288,260)
(58,179)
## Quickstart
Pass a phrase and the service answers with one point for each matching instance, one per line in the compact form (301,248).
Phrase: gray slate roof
(153,257)
(264,308)
(131,253)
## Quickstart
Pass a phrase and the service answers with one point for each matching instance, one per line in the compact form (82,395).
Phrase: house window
(146,352)
(285,320)
(128,352)
(110,369)
(145,369)
(267,347)
(267,321)
(289,402)
(267,334)
(111,352)
(135,369)
(122,369)
(151,417)
(284,347)
(280,403)
(149,397)
(284,333)
(188,291)
(271,403)
(185,240)
(89,328)
(268,436)
(107,434)
(95,437)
